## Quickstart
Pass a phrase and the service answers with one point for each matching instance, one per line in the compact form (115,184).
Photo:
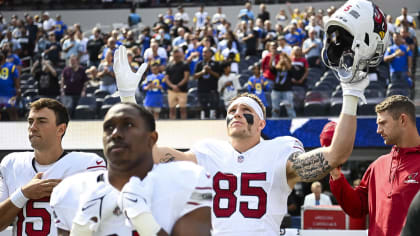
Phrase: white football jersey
(250,188)
(18,168)
(178,188)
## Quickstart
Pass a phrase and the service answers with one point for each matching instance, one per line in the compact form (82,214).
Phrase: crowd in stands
(195,63)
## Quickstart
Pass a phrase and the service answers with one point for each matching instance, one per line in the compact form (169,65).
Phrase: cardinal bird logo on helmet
(380,25)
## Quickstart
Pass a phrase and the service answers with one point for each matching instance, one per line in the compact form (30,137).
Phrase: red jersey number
(32,211)
(246,190)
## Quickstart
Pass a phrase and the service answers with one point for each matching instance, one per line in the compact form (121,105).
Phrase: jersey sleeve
(4,191)
(201,195)
(63,203)
(96,163)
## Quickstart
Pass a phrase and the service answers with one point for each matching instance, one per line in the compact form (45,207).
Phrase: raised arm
(317,163)
(167,154)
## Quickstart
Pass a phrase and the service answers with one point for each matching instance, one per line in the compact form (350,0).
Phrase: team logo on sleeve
(412,178)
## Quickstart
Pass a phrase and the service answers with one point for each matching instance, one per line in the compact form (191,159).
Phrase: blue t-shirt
(154,97)
(134,19)
(260,86)
(8,74)
(292,39)
(59,29)
(399,64)
(14,59)
(195,60)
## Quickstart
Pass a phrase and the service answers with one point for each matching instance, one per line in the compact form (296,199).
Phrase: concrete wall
(106,17)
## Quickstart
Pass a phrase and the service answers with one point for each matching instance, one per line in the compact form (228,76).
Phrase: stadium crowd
(196,63)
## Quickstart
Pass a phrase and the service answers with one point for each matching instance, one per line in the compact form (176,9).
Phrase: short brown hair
(60,111)
(253,96)
(396,105)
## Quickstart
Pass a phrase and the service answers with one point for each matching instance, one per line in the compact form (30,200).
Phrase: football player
(134,197)
(252,178)
(27,178)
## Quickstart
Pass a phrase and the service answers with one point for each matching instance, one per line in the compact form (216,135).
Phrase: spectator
(156,54)
(59,28)
(400,58)
(299,70)
(180,38)
(48,24)
(177,75)
(284,46)
(258,84)
(92,74)
(134,18)
(250,38)
(293,37)
(264,14)
(218,17)
(106,74)
(200,18)
(314,26)
(94,45)
(44,72)
(32,31)
(182,16)
(111,44)
(53,49)
(312,47)
(12,57)
(246,14)
(391,26)
(169,17)
(228,84)
(207,73)
(73,83)
(164,39)
(317,198)
(282,92)
(405,18)
(9,87)
(282,18)
(154,85)
(145,39)
(269,34)
(130,41)
(82,40)
(194,54)
(269,63)
(232,56)
(14,43)
(70,45)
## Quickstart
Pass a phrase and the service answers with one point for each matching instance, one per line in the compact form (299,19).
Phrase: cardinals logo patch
(412,178)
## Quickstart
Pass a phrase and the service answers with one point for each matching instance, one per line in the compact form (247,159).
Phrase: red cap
(327,134)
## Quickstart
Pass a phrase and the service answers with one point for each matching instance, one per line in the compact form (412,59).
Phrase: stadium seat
(193,106)
(91,89)
(335,107)
(315,108)
(111,100)
(84,112)
(398,91)
(101,93)
(298,99)
(88,100)
(368,109)
(30,93)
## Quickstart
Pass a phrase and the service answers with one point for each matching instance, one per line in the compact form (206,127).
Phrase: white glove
(127,80)
(135,197)
(356,89)
(93,207)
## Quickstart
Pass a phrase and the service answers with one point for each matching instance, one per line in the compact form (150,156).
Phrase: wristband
(18,199)
(145,224)
(350,105)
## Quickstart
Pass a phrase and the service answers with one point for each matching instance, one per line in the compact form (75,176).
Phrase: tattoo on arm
(168,158)
(309,166)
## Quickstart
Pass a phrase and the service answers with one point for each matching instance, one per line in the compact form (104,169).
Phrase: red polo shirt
(385,192)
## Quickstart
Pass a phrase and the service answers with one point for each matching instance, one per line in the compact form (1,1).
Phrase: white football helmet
(356,39)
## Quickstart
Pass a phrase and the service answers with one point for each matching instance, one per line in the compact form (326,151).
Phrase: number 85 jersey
(250,188)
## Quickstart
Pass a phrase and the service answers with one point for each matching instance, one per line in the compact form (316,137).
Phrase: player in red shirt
(391,182)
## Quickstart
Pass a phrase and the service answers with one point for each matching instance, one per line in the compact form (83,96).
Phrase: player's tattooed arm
(167,158)
(167,154)
(309,166)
